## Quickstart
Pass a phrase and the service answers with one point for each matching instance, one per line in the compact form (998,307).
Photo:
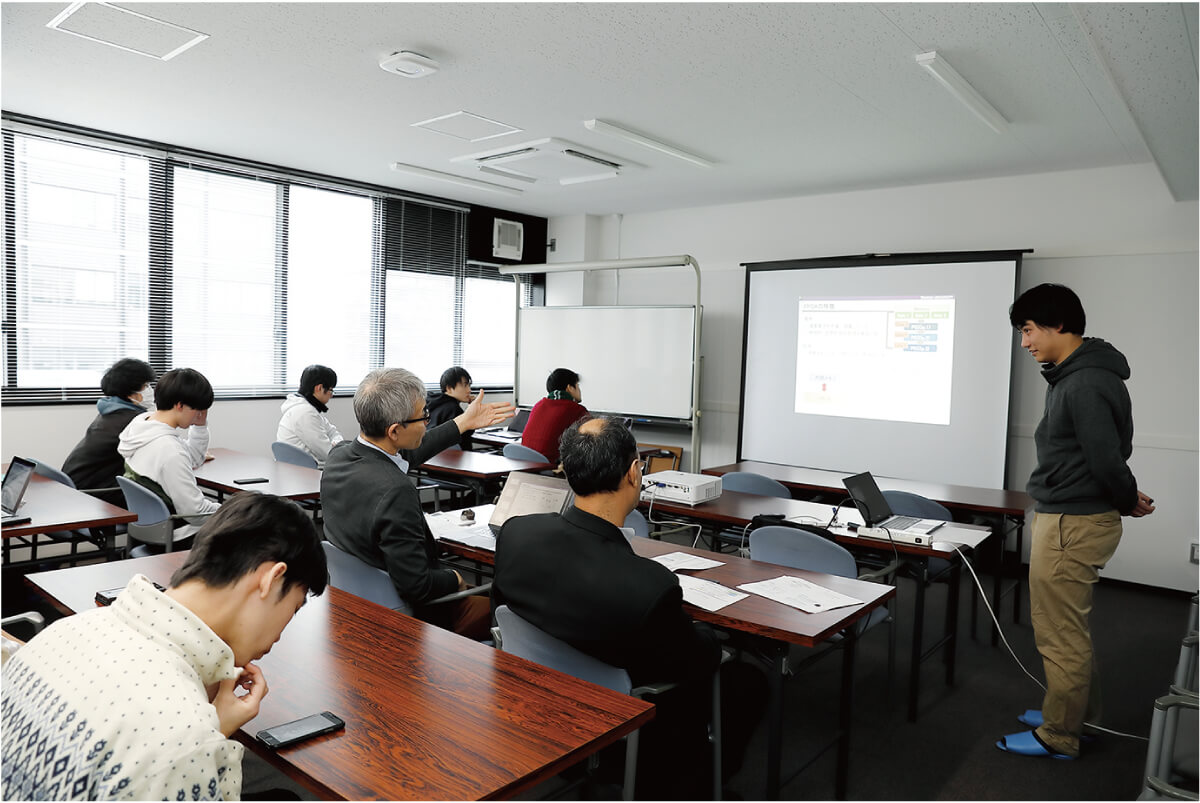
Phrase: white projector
(678,486)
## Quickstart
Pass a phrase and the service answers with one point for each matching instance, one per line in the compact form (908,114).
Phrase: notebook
(16,480)
(877,513)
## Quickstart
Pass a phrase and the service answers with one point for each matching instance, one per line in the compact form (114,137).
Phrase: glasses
(423,419)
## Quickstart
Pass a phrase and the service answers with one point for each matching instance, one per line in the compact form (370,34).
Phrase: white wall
(1115,235)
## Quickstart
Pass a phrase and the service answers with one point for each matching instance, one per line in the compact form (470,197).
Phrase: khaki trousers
(1067,554)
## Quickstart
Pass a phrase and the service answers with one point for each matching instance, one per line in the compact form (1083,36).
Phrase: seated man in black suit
(577,578)
(371,507)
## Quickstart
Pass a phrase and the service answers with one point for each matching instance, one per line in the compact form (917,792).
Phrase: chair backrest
(516,451)
(149,508)
(637,522)
(362,580)
(903,503)
(50,472)
(527,641)
(800,549)
(747,482)
(287,453)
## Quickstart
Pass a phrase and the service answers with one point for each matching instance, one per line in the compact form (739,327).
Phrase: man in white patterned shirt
(137,701)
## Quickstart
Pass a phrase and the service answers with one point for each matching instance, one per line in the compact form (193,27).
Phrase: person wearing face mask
(94,462)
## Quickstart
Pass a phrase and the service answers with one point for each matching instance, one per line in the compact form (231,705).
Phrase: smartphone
(300,729)
(107,597)
(250,480)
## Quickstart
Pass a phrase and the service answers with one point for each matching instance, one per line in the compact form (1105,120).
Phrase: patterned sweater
(111,705)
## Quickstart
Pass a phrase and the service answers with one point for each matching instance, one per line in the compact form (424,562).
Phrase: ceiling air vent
(508,239)
(551,161)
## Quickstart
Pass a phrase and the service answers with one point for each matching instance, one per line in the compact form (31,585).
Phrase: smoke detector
(408,64)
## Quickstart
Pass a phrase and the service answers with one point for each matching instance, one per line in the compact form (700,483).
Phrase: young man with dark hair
(139,700)
(303,422)
(159,457)
(551,416)
(446,404)
(95,462)
(1082,486)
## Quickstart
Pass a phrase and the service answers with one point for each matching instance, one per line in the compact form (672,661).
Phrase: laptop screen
(15,481)
(518,422)
(525,494)
(867,498)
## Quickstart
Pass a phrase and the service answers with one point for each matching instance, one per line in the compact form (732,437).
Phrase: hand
(201,419)
(234,711)
(462,584)
(479,415)
(1145,506)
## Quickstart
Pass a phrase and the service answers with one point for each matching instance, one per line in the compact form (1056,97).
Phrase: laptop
(514,429)
(16,480)
(525,494)
(877,513)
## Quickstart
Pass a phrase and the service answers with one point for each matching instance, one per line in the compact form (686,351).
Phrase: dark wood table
(483,471)
(775,626)
(1006,509)
(52,508)
(283,479)
(429,715)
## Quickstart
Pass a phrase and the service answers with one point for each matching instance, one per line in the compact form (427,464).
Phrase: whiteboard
(633,361)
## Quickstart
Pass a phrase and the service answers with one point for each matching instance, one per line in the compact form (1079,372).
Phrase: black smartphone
(107,597)
(300,729)
(250,480)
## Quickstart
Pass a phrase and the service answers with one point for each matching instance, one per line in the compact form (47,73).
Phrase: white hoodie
(304,426)
(169,456)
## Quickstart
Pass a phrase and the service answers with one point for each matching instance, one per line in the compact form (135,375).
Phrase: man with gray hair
(371,507)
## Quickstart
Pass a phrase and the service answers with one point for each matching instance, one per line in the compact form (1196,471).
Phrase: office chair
(515,451)
(1171,756)
(11,642)
(747,482)
(523,639)
(73,537)
(807,549)
(155,525)
(903,503)
(361,579)
(637,522)
(288,453)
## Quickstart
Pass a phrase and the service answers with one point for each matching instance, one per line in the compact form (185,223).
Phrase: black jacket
(94,462)
(443,408)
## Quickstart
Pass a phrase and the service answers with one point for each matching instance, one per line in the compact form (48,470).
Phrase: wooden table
(483,471)
(1005,508)
(776,626)
(429,715)
(283,479)
(53,507)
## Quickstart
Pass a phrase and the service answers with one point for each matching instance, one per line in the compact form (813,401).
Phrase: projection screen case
(898,365)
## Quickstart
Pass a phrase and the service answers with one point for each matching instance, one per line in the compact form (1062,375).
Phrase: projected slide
(886,359)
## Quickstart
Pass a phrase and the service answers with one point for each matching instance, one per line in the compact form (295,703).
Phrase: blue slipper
(1026,743)
(1033,718)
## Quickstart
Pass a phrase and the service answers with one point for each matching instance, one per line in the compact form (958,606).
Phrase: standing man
(1082,486)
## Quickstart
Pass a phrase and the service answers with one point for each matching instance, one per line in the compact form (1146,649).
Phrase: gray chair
(1171,756)
(361,579)
(637,522)
(518,636)
(747,482)
(903,503)
(516,451)
(805,549)
(73,537)
(287,453)
(155,525)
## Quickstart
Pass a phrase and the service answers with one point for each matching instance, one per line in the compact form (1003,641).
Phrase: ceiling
(784,99)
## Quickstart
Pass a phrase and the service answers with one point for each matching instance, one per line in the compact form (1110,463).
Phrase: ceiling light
(449,178)
(601,127)
(957,86)
(408,64)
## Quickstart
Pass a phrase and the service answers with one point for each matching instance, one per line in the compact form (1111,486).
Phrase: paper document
(682,560)
(449,524)
(706,594)
(798,593)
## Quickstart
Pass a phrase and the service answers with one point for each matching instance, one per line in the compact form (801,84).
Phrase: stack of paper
(798,593)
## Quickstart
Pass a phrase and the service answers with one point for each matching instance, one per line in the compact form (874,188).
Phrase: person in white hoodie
(303,422)
(162,458)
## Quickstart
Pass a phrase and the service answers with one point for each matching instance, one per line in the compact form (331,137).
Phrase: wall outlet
(1195,558)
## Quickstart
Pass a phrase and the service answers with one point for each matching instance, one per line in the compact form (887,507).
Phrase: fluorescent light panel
(608,129)
(449,178)
(957,86)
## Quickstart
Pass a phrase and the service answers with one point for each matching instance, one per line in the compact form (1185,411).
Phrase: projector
(678,486)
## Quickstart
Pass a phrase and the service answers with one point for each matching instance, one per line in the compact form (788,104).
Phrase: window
(114,250)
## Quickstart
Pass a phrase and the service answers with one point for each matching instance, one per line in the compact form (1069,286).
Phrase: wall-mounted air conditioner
(508,239)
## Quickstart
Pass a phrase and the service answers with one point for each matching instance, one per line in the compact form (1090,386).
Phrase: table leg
(951,646)
(914,678)
(998,582)
(1020,530)
(775,720)
(842,772)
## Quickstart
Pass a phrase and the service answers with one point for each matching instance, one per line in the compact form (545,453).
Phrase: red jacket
(548,420)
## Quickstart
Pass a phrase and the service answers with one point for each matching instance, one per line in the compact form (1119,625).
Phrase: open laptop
(515,427)
(877,513)
(16,480)
(525,494)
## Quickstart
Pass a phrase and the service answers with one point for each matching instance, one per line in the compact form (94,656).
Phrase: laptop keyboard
(901,522)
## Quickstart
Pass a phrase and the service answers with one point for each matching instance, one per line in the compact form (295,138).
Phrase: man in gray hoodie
(1082,487)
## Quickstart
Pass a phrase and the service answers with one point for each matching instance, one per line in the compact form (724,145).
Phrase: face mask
(147,398)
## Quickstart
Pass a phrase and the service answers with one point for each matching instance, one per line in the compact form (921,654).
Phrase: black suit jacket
(576,577)
(371,510)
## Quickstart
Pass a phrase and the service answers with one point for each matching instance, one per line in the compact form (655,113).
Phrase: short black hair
(560,379)
(126,377)
(451,377)
(595,462)
(183,386)
(1049,305)
(249,530)
(317,375)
